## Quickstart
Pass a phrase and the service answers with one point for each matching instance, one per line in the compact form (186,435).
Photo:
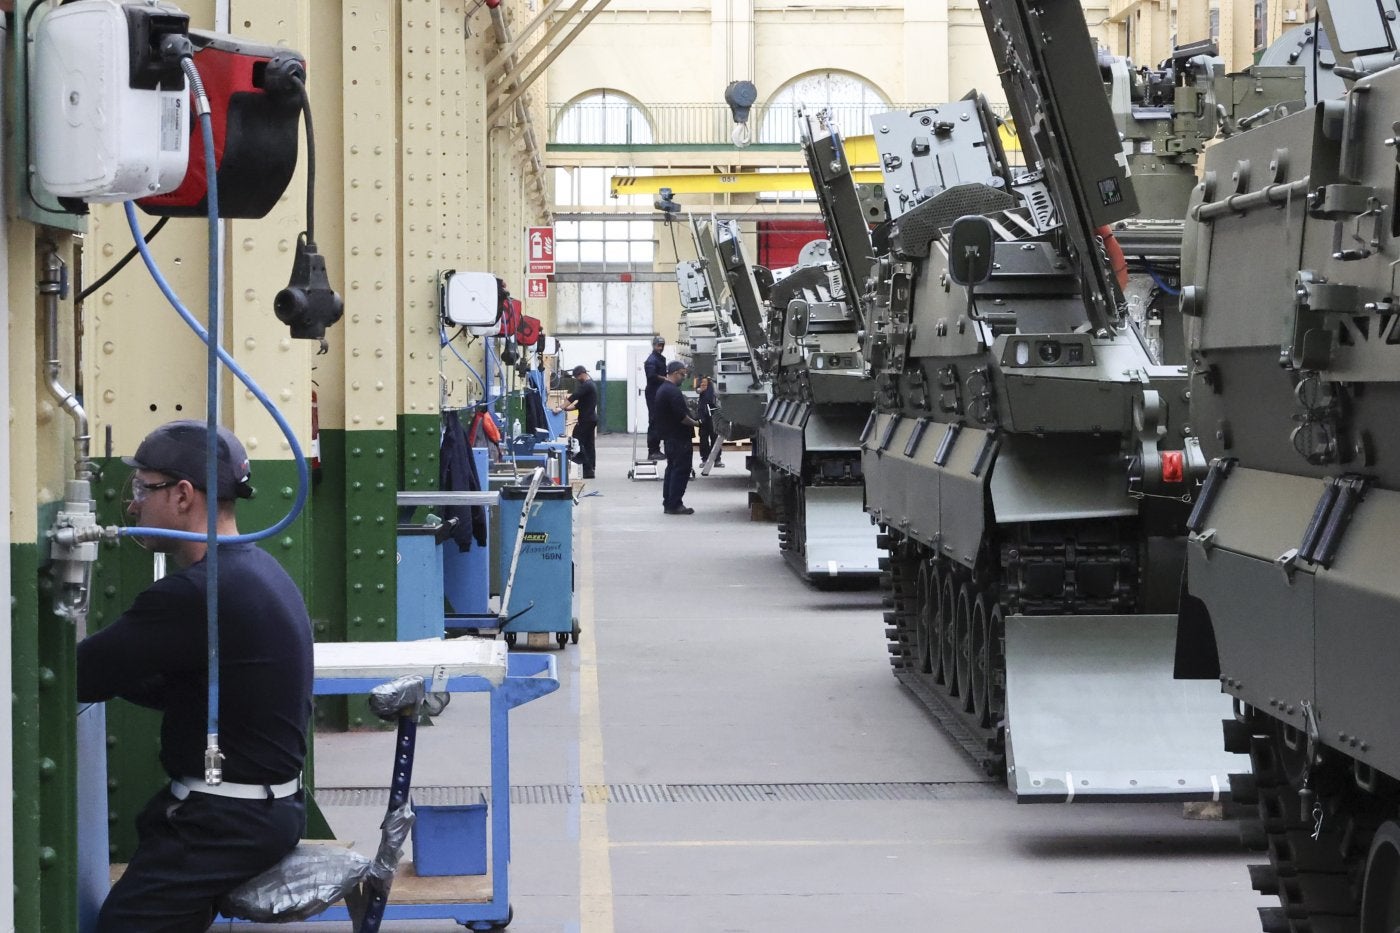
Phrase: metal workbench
(459,665)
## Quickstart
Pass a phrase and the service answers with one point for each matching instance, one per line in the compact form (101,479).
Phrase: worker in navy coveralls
(655,367)
(198,841)
(678,431)
(585,399)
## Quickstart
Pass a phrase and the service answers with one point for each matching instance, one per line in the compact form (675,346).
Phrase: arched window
(603,118)
(849,98)
(595,259)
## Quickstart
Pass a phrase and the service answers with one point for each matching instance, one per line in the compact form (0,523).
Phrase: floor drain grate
(673,793)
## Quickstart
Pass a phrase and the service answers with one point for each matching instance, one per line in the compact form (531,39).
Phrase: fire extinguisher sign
(539,250)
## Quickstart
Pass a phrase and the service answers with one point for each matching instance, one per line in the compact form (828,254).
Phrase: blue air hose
(303,471)
(446,342)
(1161,283)
(212,756)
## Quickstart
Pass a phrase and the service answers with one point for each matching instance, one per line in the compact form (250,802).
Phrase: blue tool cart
(460,665)
(430,572)
(541,599)
(419,560)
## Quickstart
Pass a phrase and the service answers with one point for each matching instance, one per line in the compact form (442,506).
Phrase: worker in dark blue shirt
(655,368)
(198,841)
(671,415)
(584,398)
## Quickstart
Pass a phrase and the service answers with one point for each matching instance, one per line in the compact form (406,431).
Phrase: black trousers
(190,853)
(586,433)
(707,437)
(679,451)
(653,430)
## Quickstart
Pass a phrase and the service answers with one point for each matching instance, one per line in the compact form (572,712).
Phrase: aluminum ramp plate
(1092,712)
(840,537)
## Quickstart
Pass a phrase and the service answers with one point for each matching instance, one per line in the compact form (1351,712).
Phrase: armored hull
(1292,596)
(1028,461)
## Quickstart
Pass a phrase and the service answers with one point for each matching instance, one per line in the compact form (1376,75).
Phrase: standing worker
(708,405)
(198,841)
(585,399)
(671,415)
(656,375)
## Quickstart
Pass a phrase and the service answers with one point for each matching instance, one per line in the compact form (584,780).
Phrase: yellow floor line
(595,849)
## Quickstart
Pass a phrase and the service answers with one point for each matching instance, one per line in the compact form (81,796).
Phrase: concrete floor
(704,664)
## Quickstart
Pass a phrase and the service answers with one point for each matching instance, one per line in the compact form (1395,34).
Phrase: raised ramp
(840,539)
(1093,713)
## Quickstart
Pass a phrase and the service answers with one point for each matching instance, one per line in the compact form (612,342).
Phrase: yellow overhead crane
(727,182)
(860,151)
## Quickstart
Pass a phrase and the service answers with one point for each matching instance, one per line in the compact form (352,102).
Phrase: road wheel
(1380,898)
(962,636)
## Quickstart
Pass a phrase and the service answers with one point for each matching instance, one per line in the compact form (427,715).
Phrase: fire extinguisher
(314,448)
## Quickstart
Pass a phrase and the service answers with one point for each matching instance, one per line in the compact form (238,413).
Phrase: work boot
(683,510)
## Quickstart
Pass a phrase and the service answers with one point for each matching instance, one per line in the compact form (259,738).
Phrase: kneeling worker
(197,841)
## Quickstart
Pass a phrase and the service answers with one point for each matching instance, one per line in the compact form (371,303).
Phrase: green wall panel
(421,442)
(24,648)
(45,746)
(615,405)
(326,595)
(58,753)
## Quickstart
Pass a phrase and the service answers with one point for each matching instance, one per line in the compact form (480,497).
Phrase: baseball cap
(178,449)
(580,370)
(658,341)
(676,366)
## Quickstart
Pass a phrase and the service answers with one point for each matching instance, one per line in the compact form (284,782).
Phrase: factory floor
(728,751)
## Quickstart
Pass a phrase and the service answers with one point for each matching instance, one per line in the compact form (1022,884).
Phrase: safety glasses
(137,489)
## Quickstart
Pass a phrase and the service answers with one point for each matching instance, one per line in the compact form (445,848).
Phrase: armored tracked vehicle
(1292,599)
(1029,461)
(700,322)
(741,355)
(822,393)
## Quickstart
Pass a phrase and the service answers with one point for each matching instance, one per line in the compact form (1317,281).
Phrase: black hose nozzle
(308,305)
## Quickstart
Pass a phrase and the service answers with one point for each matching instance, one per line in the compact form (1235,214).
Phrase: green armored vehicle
(1293,600)
(1029,461)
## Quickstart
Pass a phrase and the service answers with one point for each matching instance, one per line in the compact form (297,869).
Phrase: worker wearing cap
(672,417)
(584,398)
(198,841)
(655,367)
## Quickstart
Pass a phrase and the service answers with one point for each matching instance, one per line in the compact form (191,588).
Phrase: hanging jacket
(457,473)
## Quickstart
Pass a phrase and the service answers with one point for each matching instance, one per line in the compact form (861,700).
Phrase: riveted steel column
(371,334)
(258,261)
(43,690)
(7,730)
(428,48)
(28,717)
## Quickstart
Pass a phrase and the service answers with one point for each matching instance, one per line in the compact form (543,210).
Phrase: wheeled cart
(541,597)
(462,665)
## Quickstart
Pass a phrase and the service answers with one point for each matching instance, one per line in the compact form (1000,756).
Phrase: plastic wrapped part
(310,879)
(393,833)
(387,700)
